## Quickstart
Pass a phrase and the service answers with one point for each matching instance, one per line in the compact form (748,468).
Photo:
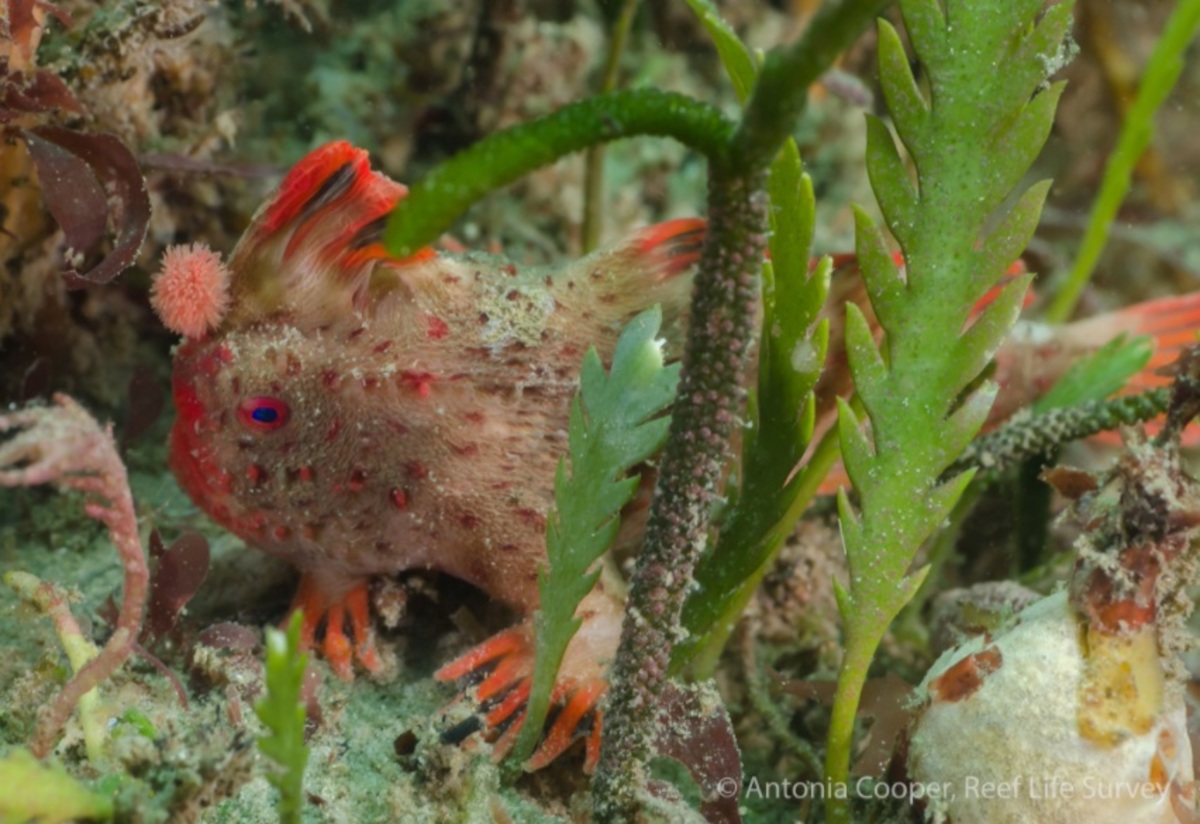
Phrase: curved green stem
(433,204)
(775,106)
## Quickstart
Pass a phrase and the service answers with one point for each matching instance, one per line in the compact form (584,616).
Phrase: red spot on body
(358,479)
(420,382)
(256,474)
(306,474)
(468,520)
(310,531)
(399,498)
(334,426)
(474,417)
(380,348)
(465,450)
(357,333)
(330,378)
(509,269)
(435,328)
(281,533)
(416,470)
(532,516)
(509,548)
(965,677)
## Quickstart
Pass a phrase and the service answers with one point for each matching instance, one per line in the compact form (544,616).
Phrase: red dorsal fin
(320,177)
(311,249)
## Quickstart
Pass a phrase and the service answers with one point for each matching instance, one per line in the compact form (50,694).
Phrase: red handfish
(360,415)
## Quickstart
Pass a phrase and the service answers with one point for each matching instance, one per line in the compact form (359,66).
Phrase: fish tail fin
(1173,322)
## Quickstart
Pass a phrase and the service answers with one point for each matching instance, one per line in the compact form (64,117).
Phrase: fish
(359,414)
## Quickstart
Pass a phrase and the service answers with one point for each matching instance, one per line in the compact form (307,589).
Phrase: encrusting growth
(1093,670)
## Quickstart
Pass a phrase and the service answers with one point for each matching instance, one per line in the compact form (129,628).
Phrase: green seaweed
(32,791)
(616,423)
(282,712)
(771,496)
(971,138)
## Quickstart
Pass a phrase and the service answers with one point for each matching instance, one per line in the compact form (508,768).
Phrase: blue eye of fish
(263,414)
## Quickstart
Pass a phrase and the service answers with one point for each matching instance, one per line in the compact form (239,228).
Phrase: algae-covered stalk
(1077,709)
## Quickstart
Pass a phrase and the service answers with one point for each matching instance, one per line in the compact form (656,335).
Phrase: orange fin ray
(334,646)
(503,668)
(1173,322)
(671,247)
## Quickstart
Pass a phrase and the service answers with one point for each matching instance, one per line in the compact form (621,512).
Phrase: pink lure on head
(191,293)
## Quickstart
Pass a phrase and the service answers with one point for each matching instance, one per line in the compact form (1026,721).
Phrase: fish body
(358,415)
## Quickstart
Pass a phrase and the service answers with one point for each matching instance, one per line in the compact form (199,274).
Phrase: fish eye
(263,414)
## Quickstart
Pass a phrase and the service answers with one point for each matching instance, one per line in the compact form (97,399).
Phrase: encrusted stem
(691,470)
(720,335)
(1028,436)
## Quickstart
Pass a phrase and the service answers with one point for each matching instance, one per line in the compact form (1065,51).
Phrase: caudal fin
(1174,324)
